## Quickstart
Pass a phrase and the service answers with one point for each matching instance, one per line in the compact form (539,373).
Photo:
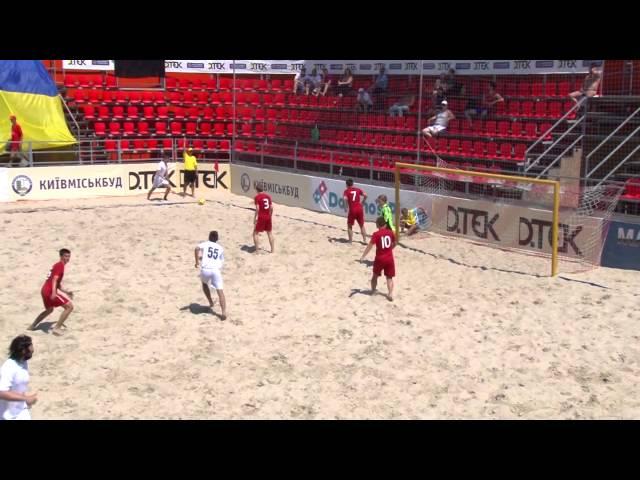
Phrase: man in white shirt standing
(14,381)
(210,259)
(160,177)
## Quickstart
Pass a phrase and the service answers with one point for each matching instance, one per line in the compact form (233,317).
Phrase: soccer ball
(201,201)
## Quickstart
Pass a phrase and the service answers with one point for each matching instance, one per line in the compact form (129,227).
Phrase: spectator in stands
(379,88)
(589,86)
(313,84)
(345,84)
(325,83)
(14,145)
(440,121)
(437,97)
(451,86)
(485,106)
(402,106)
(300,80)
(363,101)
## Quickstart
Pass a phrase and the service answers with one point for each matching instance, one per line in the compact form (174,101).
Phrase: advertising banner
(87,181)
(512,226)
(358,67)
(622,247)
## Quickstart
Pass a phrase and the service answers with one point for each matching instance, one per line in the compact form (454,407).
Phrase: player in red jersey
(262,219)
(53,295)
(385,241)
(355,198)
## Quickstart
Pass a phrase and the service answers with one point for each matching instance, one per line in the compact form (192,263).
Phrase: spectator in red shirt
(15,144)
(385,241)
(53,295)
(262,219)
(354,198)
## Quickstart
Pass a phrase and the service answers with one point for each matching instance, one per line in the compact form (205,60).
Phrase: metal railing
(530,165)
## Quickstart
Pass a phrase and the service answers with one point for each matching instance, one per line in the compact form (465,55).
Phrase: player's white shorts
(434,129)
(159,182)
(211,277)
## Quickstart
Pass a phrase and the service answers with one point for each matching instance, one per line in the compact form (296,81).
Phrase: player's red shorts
(357,216)
(57,301)
(15,147)
(386,264)
(263,224)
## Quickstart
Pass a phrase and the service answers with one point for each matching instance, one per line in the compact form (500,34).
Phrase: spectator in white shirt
(14,381)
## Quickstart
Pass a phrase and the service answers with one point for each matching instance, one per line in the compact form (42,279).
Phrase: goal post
(431,177)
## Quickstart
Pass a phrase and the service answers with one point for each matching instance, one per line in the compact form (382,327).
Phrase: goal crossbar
(496,176)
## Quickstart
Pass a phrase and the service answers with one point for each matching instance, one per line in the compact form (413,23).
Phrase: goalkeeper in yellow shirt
(190,171)
(408,221)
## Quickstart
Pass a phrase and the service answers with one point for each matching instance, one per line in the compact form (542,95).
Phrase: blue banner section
(26,76)
(622,246)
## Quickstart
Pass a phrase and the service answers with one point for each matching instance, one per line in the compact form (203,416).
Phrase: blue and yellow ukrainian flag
(28,92)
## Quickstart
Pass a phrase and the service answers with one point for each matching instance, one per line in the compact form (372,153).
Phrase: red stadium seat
(505,151)
(178,113)
(118,113)
(114,129)
(176,128)
(148,113)
(161,128)
(135,97)
(191,128)
(550,88)
(132,112)
(218,128)
(147,98)
(128,129)
(110,81)
(167,143)
(519,151)
(99,129)
(163,113)
(89,112)
(205,128)
(478,149)
(96,96)
(171,83)
(143,128)
(541,109)
(71,80)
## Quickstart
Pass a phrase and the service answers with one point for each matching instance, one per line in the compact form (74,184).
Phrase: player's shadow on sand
(360,291)
(45,326)
(198,309)
(248,248)
(368,263)
(343,240)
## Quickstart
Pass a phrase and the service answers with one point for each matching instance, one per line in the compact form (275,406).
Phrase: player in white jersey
(210,259)
(160,177)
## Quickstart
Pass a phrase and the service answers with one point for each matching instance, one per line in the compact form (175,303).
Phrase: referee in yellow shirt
(190,171)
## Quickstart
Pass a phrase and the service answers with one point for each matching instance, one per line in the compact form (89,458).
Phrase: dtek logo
(465,220)
(521,64)
(215,66)
(22,185)
(534,232)
(144,180)
(245,182)
(172,64)
(320,191)
(77,62)
(258,66)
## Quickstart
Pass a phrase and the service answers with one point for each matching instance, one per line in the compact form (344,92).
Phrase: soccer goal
(560,225)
